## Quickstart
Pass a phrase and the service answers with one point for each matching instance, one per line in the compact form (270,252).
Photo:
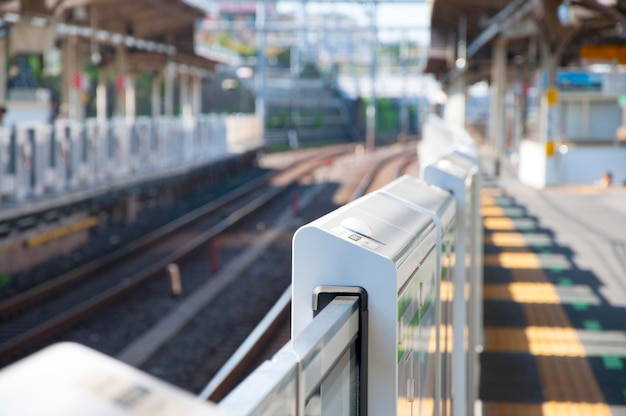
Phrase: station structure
(556,83)
(556,101)
(122,39)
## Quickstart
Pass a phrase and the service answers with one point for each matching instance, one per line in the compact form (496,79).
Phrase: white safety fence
(386,295)
(440,139)
(38,159)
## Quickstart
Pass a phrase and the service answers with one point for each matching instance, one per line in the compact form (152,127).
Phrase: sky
(392,16)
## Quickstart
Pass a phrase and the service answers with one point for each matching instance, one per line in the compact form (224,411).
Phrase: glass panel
(604,119)
(84,147)
(53,150)
(338,393)
(269,390)
(326,356)
(572,120)
(13,152)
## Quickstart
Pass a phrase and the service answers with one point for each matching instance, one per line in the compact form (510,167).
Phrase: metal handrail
(292,377)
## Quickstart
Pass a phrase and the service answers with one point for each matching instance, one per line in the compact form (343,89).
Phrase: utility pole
(261,36)
(370,112)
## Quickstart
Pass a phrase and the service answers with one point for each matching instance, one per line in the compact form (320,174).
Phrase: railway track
(29,319)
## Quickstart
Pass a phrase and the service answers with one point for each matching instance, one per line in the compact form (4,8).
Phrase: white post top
(378,243)
(451,172)
(427,197)
(70,379)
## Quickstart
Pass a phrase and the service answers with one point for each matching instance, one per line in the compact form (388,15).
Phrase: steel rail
(258,346)
(49,325)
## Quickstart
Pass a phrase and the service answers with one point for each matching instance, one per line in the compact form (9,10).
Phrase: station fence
(39,159)
(386,311)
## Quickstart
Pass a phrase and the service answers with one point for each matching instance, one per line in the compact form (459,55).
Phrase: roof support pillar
(130,102)
(156,95)
(169,89)
(404,60)
(185,102)
(101,95)
(498,91)
(121,69)
(3,72)
(454,112)
(370,112)
(196,94)
(71,82)
(260,104)
(549,96)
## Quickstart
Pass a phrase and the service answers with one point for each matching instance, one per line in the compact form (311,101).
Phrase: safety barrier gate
(39,159)
(386,295)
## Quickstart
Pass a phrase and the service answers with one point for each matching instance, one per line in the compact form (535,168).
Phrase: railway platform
(552,334)
(554,299)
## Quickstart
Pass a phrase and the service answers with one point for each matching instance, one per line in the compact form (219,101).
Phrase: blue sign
(576,80)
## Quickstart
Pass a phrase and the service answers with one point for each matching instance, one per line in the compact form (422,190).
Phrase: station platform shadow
(553,344)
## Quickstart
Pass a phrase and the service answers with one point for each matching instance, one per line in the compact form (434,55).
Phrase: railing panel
(38,159)
(313,371)
(404,265)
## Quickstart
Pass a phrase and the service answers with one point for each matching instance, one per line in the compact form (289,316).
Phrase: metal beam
(366,1)
(513,11)
(295,27)
(616,15)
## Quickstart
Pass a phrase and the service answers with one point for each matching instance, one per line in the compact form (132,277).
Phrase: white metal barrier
(415,249)
(379,311)
(69,379)
(459,175)
(386,243)
(38,159)
(440,139)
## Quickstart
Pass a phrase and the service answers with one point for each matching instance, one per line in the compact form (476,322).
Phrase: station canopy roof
(162,22)
(565,26)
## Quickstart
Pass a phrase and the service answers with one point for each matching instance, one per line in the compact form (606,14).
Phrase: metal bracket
(322,297)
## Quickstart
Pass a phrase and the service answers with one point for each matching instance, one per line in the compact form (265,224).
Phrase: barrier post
(387,244)
(452,172)
(214,256)
(295,204)
(175,281)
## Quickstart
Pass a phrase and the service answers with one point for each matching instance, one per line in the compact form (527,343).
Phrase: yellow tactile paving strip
(492,211)
(540,341)
(551,408)
(522,292)
(514,239)
(567,380)
(498,223)
(503,239)
(513,260)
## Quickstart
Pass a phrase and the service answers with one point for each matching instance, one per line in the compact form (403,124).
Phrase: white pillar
(404,62)
(498,90)
(3,72)
(185,102)
(370,111)
(129,98)
(66,78)
(169,89)
(260,104)
(156,95)
(121,70)
(455,106)
(196,94)
(71,104)
(101,96)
